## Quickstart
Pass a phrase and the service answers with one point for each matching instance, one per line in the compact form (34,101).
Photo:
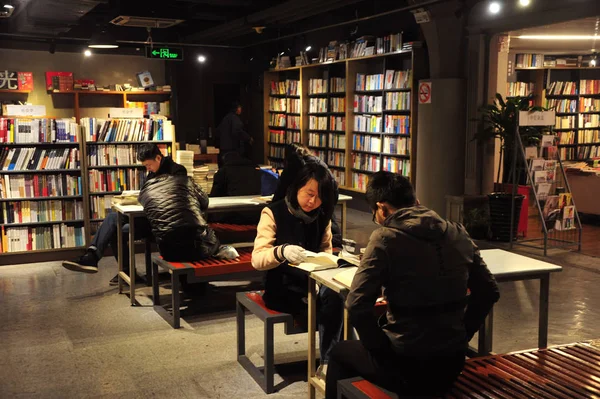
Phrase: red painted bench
(210,269)
(253,301)
(234,233)
(567,371)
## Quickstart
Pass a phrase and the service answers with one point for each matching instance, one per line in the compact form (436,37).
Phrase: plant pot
(500,207)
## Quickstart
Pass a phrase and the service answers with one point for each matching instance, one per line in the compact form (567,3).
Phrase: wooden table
(215,205)
(505,266)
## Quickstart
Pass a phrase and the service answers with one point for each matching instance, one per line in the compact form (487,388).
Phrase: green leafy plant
(499,121)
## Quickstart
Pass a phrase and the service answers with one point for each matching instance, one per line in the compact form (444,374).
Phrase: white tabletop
(504,264)
(325,277)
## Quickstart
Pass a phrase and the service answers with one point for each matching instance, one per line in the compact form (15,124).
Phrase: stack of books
(204,175)
(186,159)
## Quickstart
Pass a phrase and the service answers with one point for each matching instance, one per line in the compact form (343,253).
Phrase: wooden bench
(210,269)
(229,233)
(568,371)
(253,301)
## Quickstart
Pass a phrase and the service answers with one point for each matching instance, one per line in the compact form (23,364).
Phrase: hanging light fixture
(102,39)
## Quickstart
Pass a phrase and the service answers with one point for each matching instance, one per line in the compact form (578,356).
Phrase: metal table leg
(312,324)
(132,271)
(344,217)
(486,331)
(543,321)
(120,249)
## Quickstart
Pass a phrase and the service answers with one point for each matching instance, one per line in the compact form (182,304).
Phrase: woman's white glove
(294,254)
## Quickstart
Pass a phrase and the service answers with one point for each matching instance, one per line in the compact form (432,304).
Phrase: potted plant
(500,121)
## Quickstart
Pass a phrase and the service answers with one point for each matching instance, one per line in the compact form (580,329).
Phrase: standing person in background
(231,135)
(296,156)
(156,165)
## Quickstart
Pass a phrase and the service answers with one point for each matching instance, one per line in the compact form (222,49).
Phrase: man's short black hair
(147,152)
(392,188)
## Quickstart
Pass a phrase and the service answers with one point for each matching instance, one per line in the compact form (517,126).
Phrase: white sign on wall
(537,118)
(25,110)
(126,112)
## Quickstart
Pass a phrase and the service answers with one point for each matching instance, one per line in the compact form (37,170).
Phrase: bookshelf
(331,132)
(41,198)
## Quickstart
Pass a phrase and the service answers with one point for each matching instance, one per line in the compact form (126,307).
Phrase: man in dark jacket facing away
(174,207)
(230,133)
(424,266)
(156,165)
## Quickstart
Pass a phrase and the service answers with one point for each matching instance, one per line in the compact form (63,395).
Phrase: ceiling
(211,22)
(587,26)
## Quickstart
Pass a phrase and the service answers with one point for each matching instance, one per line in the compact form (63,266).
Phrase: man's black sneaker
(115,280)
(88,263)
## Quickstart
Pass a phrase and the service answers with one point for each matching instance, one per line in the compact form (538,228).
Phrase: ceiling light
(308,48)
(87,53)
(494,7)
(102,40)
(557,37)
(8,6)
(201,58)
(524,3)
(282,53)
(593,63)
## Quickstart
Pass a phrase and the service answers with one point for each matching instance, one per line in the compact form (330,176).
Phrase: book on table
(322,261)
(345,277)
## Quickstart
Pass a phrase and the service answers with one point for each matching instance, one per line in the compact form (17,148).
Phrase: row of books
(137,129)
(370,163)
(369,82)
(398,79)
(277,120)
(288,87)
(337,141)
(588,136)
(337,85)
(530,60)
(398,124)
(396,145)
(566,138)
(388,43)
(568,154)
(519,89)
(565,122)
(116,180)
(589,120)
(42,130)
(277,152)
(317,105)
(561,105)
(339,176)
(38,186)
(562,88)
(112,155)
(277,136)
(291,105)
(31,158)
(21,239)
(317,86)
(396,165)
(589,86)
(359,181)
(317,122)
(588,152)
(397,101)
(317,139)
(293,122)
(589,105)
(100,206)
(204,176)
(321,154)
(364,103)
(337,123)
(152,107)
(336,158)
(40,211)
(338,104)
(366,143)
(367,123)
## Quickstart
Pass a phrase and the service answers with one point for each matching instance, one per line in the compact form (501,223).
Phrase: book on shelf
(59,81)
(371,163)
(368,123)
(40,211)
(337,85)
(277,104)
(562,105)
(152,107)
(321,154)
(32,158)
(39,186)
(369,82)
(277,136)
(359,181)
(397,101)
(397,124)
(396,145)
(530,61)
(100,206)
(21,239)
(38,130)
(589,105)
(588,136)
(366,103)
(116,180)
(396,165)
(317,139)
(565,122)
(317,105)
(108,130)
(562,88)
(367,143)
(339,176)
(337,104)
(587,86)
(589,121)
(292,122)
(113,155)
(337,141)
(277,120)
(317,122)
(398,79)
(519,89)
(337,123)
(288,87)
(317,86)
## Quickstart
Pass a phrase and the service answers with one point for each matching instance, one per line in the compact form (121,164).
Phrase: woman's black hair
(147,152)
(326,187)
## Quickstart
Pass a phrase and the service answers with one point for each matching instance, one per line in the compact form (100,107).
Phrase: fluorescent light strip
(557,37)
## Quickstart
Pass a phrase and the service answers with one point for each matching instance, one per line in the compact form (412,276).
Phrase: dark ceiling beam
(222,3)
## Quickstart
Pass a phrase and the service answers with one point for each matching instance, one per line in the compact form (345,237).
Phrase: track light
(524,3)
(9,6)
(308,48)
(102,39)
(494,7)
(87,53)
(201,59)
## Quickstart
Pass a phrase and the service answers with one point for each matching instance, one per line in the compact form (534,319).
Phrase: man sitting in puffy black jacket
(174,205)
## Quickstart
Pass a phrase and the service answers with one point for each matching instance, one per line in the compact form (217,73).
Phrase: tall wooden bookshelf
(350,162)
(577,111)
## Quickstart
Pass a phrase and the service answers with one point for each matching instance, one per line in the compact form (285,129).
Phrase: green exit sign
(165,53)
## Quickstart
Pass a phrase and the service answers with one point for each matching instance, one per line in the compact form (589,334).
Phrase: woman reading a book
(301,221)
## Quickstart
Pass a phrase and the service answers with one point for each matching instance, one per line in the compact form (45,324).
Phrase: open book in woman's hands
(318,261)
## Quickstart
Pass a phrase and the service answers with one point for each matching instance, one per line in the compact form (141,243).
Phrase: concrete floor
(70,335)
